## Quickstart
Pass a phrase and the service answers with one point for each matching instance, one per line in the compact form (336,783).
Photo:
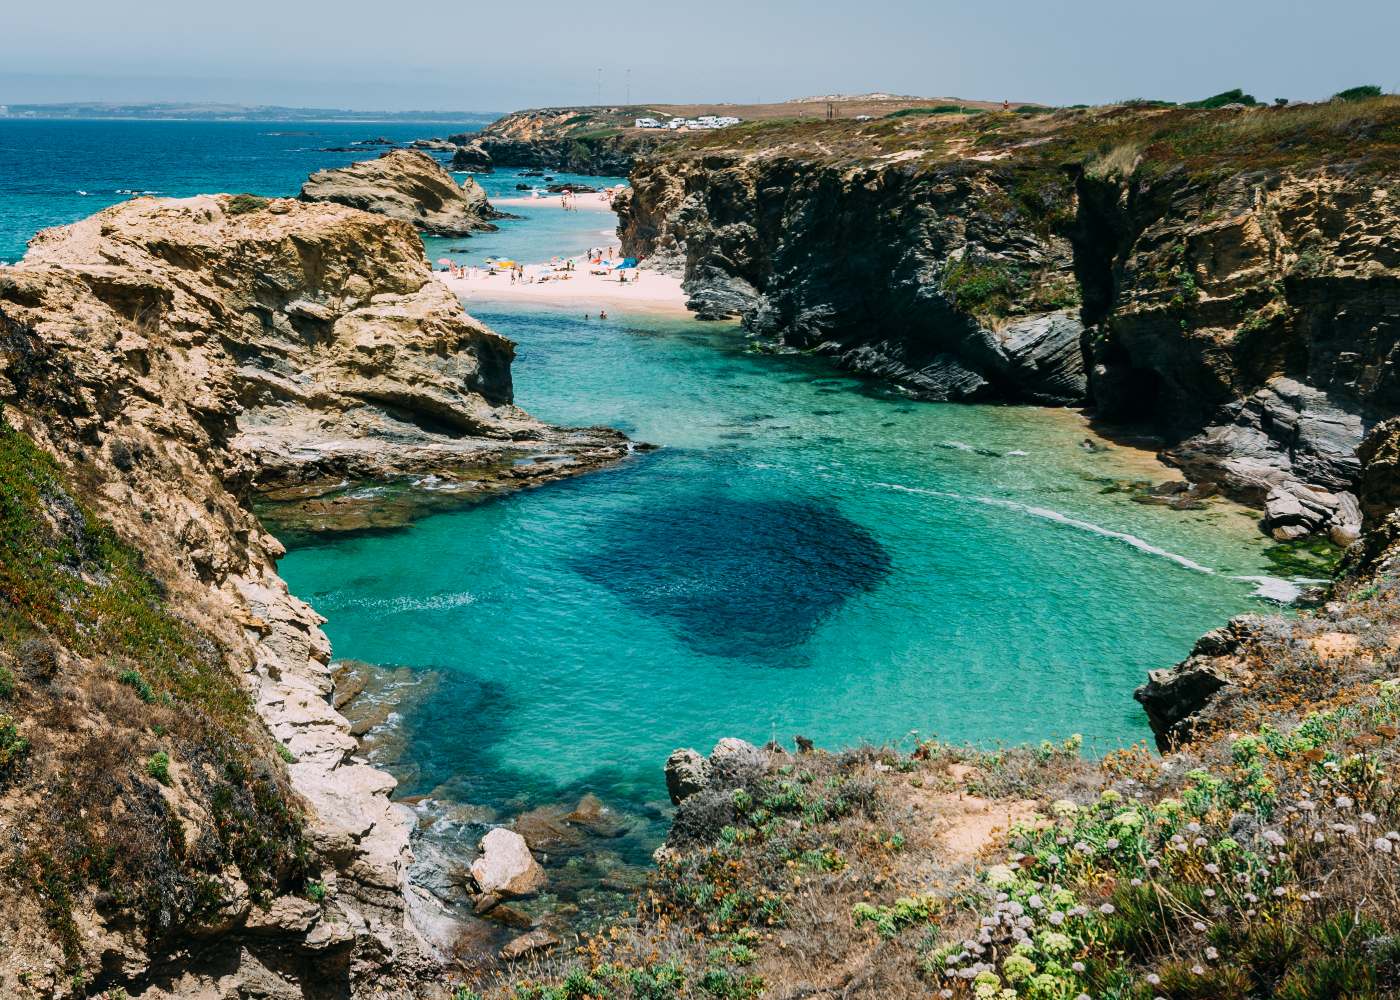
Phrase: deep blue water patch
(736,577)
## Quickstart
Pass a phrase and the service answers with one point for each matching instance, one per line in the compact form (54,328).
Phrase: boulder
(506,866)
(289,915)
(1293,510)
(687,772)
(1345,524)
(528,944)
(735,763)
(407,185)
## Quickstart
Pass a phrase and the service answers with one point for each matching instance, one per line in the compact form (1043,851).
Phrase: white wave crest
(399,605)
(1073,522)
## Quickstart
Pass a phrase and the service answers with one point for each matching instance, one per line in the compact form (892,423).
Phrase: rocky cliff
(409,186)
(1229,277)
(565,139)
(184,813)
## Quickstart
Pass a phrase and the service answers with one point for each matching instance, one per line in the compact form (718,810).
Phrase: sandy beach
(644,289)
(598,202)
(653,293)
(544,284)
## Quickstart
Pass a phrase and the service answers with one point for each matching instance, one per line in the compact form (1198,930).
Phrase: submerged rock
(537,940)
(409,186)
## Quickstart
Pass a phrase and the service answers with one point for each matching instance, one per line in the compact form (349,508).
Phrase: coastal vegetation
(107,692)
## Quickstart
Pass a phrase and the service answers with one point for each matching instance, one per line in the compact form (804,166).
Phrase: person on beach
(602,314)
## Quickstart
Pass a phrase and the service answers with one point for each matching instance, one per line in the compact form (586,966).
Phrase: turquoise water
(804,554)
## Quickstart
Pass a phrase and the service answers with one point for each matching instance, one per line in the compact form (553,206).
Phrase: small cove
(805,553)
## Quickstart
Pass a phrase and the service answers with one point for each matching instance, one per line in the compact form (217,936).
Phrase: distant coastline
(101,111)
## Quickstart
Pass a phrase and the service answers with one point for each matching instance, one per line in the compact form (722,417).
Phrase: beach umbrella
(444,260)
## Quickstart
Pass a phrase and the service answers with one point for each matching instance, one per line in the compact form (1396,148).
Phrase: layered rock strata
(409,186)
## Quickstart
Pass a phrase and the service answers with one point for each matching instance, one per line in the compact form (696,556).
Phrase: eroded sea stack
(409,186)
(183,811)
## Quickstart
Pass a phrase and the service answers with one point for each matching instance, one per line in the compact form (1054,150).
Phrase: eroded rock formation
(409,186)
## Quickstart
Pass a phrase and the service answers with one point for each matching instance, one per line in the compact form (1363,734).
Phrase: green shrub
(158,767)
(937,109)
(13,749)
(316,891)
(981,289)
(1363,93)
(243,204)
(7,683)
(1235,96)
(725,985)
(132,678)
(286,754)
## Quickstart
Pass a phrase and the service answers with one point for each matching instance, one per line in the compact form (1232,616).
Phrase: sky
(369,55)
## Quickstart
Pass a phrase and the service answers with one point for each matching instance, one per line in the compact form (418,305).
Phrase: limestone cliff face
(409,186)
(174,357)
(1248,311)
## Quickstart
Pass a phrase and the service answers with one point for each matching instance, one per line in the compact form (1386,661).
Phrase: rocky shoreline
(177,358)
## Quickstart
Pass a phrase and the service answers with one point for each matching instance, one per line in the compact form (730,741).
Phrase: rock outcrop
(703,788)
(841,262)
(409,186)
(174,357)
(472,156)
(563,139)
(1243,300)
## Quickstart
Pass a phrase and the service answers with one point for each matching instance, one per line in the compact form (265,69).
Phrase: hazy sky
(502,56)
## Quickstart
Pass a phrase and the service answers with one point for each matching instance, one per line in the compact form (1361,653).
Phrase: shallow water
(805,554)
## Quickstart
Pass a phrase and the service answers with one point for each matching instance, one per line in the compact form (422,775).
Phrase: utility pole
(629,86)
(600,86)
